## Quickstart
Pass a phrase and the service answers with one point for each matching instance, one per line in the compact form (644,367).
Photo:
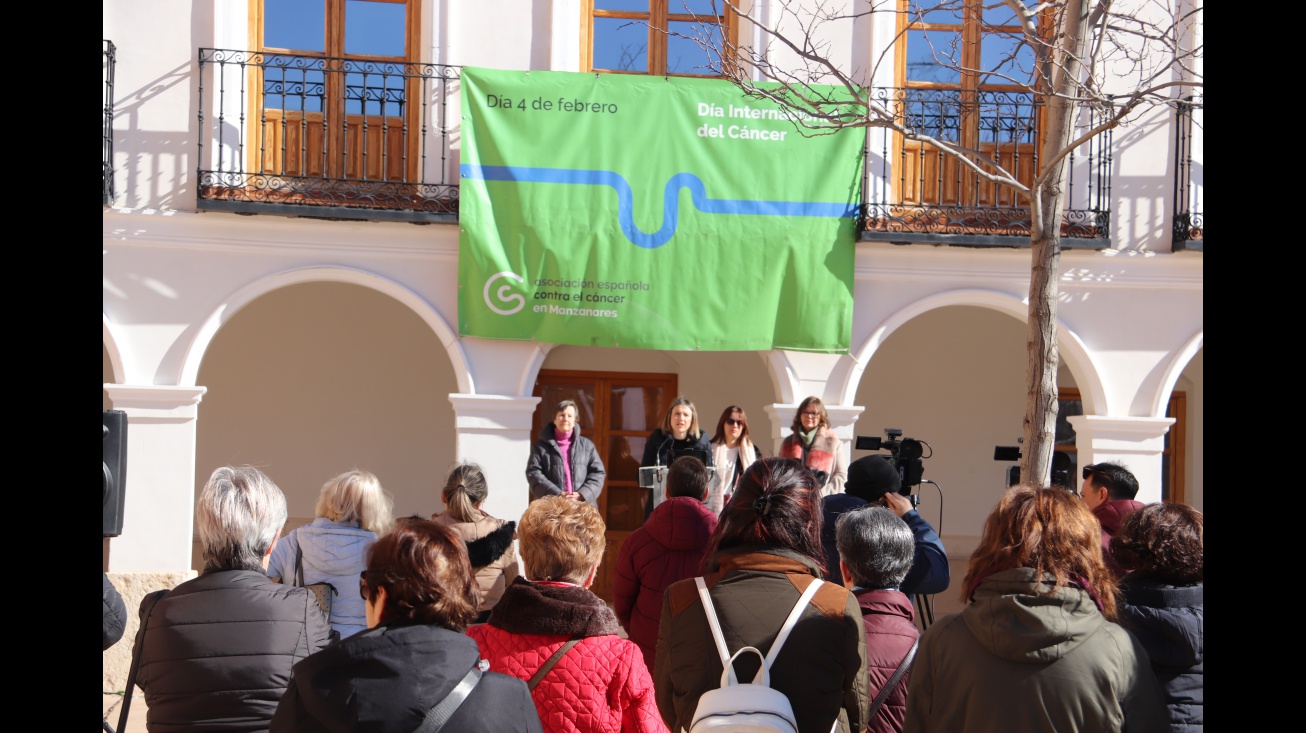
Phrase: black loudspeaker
(115,470)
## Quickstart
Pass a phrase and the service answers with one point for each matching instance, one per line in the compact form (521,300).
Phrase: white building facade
(310,341)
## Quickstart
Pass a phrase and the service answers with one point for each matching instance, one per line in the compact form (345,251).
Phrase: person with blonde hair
(488,540)
(352,511)
(549,625)
(217,650)
(407,669)
(1036,647)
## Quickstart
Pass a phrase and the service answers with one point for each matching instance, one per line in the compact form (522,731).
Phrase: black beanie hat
(871,477)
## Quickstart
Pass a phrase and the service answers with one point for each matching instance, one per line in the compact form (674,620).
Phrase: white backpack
(743,707)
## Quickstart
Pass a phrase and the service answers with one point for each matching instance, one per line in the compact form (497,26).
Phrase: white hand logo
(504,294)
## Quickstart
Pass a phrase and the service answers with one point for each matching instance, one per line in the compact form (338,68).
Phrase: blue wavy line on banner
(670,198)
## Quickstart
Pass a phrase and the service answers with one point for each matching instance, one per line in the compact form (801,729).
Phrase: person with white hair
(215,652)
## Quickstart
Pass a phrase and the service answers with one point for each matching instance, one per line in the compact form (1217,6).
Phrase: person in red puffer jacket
(601,683)
(669,547)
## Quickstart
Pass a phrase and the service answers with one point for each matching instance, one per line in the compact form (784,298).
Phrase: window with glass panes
(659,37)
(964,72)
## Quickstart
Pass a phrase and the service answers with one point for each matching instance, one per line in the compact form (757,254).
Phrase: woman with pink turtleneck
(563,461)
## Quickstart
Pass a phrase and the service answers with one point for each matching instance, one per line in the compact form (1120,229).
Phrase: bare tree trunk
(1059,71)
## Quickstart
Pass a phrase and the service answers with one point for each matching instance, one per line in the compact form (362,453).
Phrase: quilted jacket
(669,547)
(890,630)
(1111,515)
(490,549)
(218,650)
(1167,619)
(544,471)
(334,552)
(599,685)
(822,667)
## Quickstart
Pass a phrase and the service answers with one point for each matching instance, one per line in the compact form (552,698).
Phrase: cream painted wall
(317,379)
(953,378)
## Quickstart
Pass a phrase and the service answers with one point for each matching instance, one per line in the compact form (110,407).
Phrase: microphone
(658,456)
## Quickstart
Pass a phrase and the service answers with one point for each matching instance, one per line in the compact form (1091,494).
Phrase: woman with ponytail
(764,554)
(488,540)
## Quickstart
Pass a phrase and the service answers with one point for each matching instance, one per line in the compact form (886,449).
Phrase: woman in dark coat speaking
(563,461)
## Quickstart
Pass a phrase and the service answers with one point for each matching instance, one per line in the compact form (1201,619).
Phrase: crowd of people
(1082,610)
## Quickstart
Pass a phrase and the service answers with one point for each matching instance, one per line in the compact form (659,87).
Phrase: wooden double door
(618,411)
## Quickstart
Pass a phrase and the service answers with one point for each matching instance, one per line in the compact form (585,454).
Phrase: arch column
(495,432)
(159,504)
(843,420)
(1134,442)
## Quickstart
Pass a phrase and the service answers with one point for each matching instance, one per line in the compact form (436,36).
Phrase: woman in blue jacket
(352,511)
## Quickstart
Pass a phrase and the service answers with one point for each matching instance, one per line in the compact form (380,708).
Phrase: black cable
(924,603)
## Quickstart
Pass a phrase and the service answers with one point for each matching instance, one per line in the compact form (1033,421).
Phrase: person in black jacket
(679,432)
(115,614)
(1161,601)
(420,598)
(563,461)
(217,650)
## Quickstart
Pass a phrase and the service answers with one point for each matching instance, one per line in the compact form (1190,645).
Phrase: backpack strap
(715,624)
(893,681)
(548,665)
(147,607)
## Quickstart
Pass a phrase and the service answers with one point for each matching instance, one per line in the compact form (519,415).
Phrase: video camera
(905,453)
(1063,466)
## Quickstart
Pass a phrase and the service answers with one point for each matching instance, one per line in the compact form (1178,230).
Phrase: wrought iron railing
(1188,191)
(109,57)
(914,193)
(323,136)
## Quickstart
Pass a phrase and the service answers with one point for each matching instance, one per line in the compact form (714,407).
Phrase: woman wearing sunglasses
(814,443)
(732,453)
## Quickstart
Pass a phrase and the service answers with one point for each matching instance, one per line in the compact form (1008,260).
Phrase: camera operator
(874,480)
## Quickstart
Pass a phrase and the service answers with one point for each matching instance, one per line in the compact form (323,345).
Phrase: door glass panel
(638,6)
(375,94)
(294,84)
(625,508)
(709,8)
(635,408)
(296,25)
(623,458)
(620,44)
(581,394)
(374,29)
(930,12)
(931,53)
(1008,59)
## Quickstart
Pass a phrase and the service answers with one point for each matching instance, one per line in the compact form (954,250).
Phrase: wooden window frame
(334,43)
(658,16)
(972,32)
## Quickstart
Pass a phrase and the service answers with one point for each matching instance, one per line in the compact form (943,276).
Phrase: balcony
(1188,189)
(915,194)
(324,137)
(109,53)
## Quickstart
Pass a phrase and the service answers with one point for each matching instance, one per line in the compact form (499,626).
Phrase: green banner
(651,212)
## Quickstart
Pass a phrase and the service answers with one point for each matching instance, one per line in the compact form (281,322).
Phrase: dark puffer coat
(669,547)
(218,650)
(384,679)
(890,630)
(1167,620)
(544,470)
